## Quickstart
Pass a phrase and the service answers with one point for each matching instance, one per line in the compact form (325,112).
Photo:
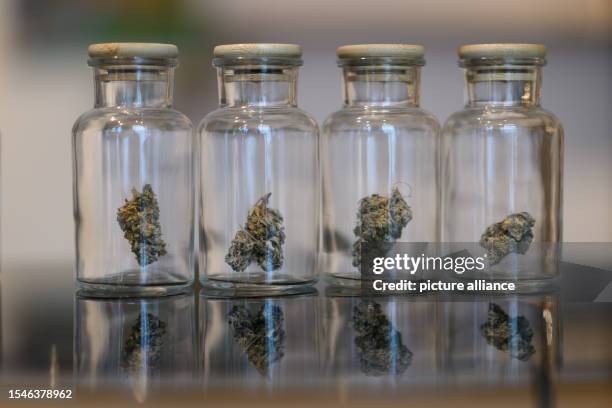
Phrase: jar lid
(502,51)
(240,53)
(381,50)
(133,50)
(381,54)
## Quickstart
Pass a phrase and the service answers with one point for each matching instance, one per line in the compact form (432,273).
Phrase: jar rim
(263,61)
(98,62)
(380,61)
(502,61)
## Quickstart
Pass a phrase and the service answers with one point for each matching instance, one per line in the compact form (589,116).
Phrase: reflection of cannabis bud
(508,334)
(260,335)
(511,235)
(139,221)
(142,349)
(260,240)
(380,221)
(380,345)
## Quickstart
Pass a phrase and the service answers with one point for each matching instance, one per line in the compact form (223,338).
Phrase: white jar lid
(133,50)
(408,51)
(504,51)
(261,50)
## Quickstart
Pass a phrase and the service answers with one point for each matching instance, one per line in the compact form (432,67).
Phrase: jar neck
(381,85)
(257,85)
(502,85)
(133,86)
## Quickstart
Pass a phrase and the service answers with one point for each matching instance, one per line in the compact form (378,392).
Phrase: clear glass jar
(259,174)
(133,176)
(381,145)
(502,166)
(137,343)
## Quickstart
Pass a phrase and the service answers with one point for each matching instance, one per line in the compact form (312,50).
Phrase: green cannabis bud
(142,349)
(379,344)
(260,335)
(511,235)
(380,221)
(139,221)
(260,240)
(505,333)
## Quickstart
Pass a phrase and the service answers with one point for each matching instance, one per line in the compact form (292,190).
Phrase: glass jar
(133,176)
(259,174)
(502,163)
(380,148)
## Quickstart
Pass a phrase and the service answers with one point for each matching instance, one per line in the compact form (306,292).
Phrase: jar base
(227,288)
(108,290)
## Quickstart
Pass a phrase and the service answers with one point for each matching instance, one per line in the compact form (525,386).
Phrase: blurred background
(45,83)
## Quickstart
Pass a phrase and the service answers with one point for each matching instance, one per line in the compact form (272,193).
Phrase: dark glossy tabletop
(327,345)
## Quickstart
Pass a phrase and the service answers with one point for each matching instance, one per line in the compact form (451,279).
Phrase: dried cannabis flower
(142,349)
(260,335)
(139,221)
(511,235)
(260,240)
(380,345)
(380,221)
(508,334)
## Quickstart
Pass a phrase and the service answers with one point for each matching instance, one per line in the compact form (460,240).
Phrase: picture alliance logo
(412,264)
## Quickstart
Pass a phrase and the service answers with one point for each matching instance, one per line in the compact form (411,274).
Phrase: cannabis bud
(260,240)
(508,334)
(260,335)
(139,221)
(379,344)
(380,221)
(511,235)
(142,349)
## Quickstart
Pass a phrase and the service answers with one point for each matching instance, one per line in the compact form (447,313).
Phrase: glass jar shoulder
(518,117)
(254,119)
(123,118)
(358,119)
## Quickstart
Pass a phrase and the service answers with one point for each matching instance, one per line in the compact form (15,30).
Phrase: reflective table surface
(328,346)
